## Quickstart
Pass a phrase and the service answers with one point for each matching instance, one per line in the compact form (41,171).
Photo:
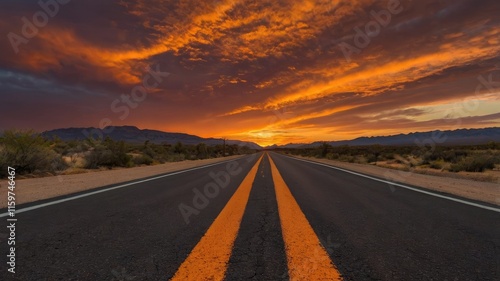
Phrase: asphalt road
(150,230)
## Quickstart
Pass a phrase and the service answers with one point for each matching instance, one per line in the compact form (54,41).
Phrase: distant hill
(455,137)
(133,134)
(289,145)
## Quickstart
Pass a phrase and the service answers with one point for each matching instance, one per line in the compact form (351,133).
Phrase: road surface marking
(111,188)
(306,257)
(401,185)
(209,258)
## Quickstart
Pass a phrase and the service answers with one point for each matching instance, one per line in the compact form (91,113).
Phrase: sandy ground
(30,190)
(477,190)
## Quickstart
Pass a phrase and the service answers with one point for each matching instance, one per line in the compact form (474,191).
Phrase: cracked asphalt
(370,231)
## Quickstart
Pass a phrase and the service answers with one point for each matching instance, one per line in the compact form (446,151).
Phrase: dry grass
(437,168)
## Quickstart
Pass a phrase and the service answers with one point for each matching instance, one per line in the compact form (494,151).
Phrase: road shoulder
(475,190)
(31,190)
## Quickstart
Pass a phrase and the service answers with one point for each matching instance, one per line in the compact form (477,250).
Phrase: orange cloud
(374,79)
(269,71)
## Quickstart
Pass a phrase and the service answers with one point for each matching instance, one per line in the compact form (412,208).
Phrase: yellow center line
(306,257)
(209,258)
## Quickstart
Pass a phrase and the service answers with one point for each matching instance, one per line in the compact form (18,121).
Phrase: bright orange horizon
(267,72)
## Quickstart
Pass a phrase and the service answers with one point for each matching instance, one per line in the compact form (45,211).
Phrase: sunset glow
(272,72)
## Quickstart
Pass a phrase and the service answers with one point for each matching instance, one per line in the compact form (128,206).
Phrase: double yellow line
(306,257)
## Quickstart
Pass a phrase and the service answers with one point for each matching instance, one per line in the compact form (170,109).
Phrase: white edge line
(111,188)
(400,185)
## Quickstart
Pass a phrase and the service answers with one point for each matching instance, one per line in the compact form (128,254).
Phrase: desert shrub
(232,149)
(387,156)
(108,154)
(149,151)
(179,148)
(59,146)
(98,157)
(324,148)
(493,145)
(28,152)
(476,163)
(370,158)
(201,151)
(347,158)
(458,167)
(332,156)
(142,160)
(453,156)
(431,156)
(443,153)
(177,157)
(360,160)
(436,165)
(156,152)
(105,158)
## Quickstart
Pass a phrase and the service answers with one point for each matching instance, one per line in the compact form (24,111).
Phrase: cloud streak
(268,71)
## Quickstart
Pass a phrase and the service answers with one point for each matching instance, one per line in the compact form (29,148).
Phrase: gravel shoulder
(488,192)
(35,189)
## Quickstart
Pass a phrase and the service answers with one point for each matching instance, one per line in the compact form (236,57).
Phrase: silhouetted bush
(371,158)
(454,156)
(436,165)
(177,158)
(387,156)
(28,153)
(142,160)
(108,154)
(477,163)
(201,151)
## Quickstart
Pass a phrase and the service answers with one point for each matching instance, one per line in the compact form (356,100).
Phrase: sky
(270,71)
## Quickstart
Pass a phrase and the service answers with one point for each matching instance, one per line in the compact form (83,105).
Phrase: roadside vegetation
(34,155)
(453,159)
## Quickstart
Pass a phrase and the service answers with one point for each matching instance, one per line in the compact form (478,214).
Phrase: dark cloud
(270,71)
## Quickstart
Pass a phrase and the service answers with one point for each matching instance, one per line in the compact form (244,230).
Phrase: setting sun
(272,73)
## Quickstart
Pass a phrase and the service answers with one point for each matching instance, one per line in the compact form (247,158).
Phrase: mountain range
(133,134)
(437,137)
